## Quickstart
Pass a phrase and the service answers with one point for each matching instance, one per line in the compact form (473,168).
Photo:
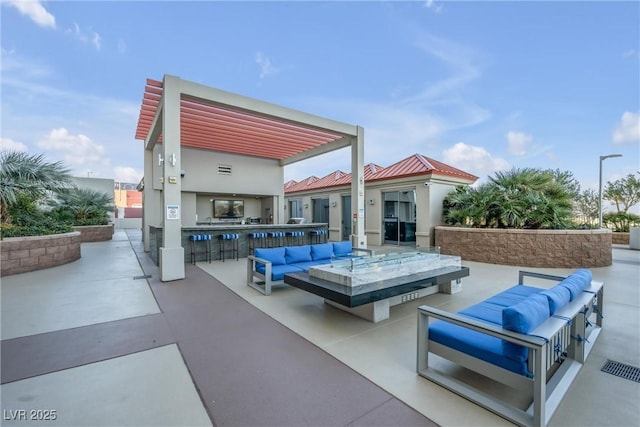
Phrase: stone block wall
(620,238)
(527,248)
(95,233)
(23,254)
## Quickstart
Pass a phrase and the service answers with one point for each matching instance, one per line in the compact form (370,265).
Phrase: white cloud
(266,67)
(127,174)
(518,143)
(431,4)
(473,159)
(34,10)
(631,53)
(96,40)
(89,36)
(8,144)
(78,151)
(122,46)
(628,130)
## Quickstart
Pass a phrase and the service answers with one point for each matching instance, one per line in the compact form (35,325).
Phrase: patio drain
(622,370)
(146,276)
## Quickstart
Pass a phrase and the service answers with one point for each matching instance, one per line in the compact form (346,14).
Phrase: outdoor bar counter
(215,230)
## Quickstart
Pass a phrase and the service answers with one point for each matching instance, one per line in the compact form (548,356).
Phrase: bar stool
(295,237)
(257,240)
(317,236)
(275,239)
(232,238)
(206,238)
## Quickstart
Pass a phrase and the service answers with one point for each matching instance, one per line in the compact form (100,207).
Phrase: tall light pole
(600,204)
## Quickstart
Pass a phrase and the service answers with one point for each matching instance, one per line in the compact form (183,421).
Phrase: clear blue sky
(482,86)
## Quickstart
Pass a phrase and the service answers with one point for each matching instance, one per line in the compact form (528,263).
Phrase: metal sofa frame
(558,349)
(265,283)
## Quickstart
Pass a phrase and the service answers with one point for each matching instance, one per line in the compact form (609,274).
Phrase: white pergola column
(171,252)
(359,239)
(147,194)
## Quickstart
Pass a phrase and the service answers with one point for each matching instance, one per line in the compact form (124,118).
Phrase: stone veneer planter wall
(23,254)
(527,248)
(95,233)
(620,238)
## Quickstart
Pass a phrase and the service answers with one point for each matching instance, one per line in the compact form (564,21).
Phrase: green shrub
(621,221)
(521,198)
(83,206)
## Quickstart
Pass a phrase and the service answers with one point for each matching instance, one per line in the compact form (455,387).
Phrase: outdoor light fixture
(172,159)
(602,158)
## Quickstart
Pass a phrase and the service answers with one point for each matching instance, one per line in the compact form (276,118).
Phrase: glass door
(399,223)
(346,217)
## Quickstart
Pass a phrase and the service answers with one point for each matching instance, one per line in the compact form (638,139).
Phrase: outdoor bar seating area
(198,246)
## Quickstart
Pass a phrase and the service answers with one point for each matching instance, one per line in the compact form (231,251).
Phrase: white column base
(451,288)
(171,264)
(374,312)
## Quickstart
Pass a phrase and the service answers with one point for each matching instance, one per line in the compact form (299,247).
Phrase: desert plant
(621,221)
(82,206)
(519,198)
(29,177)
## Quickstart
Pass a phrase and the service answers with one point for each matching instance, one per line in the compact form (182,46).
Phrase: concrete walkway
(103,342)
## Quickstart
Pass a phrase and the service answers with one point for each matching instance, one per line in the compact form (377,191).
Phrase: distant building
(403,201)
(126,195)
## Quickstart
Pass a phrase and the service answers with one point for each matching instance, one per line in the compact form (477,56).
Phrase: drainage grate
(622,370)
(146,276)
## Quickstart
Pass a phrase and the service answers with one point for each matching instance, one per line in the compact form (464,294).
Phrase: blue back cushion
(295,254)
(523,317)
(558,297)
(275,255)
(577,282)
(526,315)
(322,251)
(342,248)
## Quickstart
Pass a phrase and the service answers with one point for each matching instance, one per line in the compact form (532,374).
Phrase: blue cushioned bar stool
(275,238)
(257,240)
(232,238)
(206,239)
(295,237)
(318,236)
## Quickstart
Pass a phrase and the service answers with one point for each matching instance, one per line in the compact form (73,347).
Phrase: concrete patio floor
(100,343)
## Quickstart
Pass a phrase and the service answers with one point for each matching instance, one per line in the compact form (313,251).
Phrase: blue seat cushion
(306,265)
(322,251)
(577,282)
(295,254)
(275,255)
(513,295)
(278,271)
(476,344)
(485,311)
(557,296)
(342,248)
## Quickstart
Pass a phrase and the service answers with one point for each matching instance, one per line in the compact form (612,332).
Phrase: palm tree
(28,176)
(519,198)
(84,205)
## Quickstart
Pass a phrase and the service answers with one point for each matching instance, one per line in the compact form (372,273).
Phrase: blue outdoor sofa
(532,339)
(269,265)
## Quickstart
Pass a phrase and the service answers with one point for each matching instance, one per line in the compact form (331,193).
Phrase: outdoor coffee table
(372,300)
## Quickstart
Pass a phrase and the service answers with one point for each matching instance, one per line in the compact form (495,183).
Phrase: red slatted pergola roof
(219,126)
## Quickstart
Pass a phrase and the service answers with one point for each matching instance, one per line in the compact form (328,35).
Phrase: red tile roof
(415,165)
(334,179)
(420,165)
